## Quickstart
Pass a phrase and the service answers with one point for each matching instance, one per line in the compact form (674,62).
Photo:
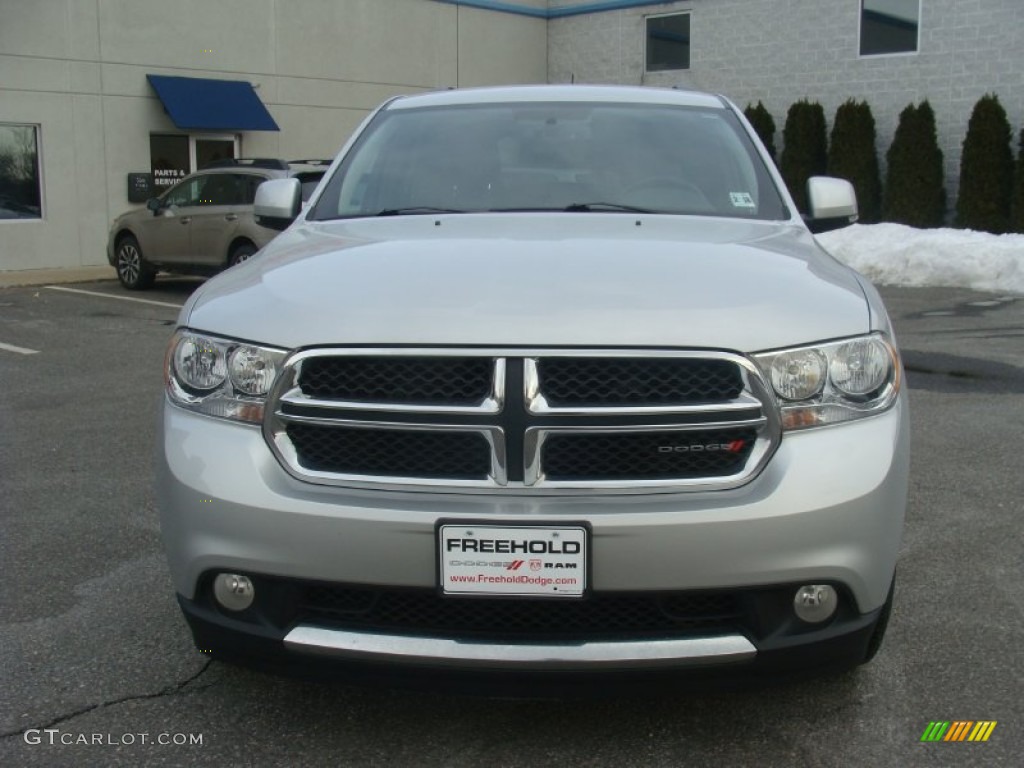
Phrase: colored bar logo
(959,730)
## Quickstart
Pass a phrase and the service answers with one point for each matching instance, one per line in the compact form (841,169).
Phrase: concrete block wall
(780,51)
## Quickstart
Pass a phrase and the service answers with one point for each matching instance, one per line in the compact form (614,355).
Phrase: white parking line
(19,350)
(113,296)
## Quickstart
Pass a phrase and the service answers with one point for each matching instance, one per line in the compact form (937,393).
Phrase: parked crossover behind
(202,224)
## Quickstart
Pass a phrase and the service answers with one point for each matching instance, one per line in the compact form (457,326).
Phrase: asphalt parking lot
(93,648)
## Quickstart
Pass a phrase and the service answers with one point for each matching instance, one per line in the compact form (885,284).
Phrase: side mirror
(154,204)
(833,203)
(278,202)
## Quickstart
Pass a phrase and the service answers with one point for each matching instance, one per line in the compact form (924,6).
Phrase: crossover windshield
(572,157)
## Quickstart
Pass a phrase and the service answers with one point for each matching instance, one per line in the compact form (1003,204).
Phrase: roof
(559,93)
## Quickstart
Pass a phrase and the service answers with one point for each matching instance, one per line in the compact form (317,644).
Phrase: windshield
(552,157)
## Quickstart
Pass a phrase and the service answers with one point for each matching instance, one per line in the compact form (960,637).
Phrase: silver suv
(544,383)
(202,224)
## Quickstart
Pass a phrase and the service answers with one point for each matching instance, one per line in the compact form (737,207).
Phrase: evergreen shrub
(804,148)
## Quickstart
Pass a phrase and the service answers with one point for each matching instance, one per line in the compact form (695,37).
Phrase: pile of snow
(893,254)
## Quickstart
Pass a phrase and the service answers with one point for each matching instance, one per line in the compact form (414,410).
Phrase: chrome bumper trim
(369,646)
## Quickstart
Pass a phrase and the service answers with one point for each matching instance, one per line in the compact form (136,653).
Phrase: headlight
(218,377)
(798,375)
(253,370)
(835,382)
(860,368)
(199,364)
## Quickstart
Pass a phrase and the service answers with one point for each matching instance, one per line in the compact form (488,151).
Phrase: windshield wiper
(416,209)
(588,207)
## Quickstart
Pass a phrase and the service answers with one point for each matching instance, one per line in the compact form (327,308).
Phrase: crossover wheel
(134,272)
(241,253)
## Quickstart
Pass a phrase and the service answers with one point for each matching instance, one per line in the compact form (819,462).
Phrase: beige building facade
(76,103)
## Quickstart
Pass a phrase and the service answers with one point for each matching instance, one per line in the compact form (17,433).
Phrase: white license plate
(512,560)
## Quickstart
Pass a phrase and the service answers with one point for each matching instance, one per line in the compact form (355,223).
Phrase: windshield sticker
(741,200)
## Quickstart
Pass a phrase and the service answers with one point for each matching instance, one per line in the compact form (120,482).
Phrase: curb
(53,276)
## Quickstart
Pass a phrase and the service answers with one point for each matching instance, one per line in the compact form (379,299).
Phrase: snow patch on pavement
(894,254)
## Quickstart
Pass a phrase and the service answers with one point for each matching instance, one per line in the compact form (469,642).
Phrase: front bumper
(512,669)
(828,508)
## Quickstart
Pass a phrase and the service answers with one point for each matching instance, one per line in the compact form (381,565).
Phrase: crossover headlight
(220,377)
(831,383)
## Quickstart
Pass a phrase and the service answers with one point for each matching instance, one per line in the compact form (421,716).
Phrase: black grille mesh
(650,455)
(423,611)
(391,452)
(587,381)
(399,379)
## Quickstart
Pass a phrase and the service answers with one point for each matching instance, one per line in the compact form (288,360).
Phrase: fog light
(815,603)
(233,591)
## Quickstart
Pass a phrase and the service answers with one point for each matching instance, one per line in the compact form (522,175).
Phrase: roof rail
(310,161)
(248,162)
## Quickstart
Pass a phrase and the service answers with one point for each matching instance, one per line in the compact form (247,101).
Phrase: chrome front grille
(536,420)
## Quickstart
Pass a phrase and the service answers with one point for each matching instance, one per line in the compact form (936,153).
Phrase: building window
(889,26)
(169,160)
(21,194)
(668,42)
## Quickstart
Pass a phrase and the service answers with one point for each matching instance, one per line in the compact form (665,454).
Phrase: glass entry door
(209,149)
(175,156)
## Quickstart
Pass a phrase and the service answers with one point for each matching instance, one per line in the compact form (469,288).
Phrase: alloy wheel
(128,263)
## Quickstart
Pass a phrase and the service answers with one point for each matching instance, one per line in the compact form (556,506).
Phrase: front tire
(241,253)
(134,272)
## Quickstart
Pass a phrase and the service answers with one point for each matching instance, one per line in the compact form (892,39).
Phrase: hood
(581,279)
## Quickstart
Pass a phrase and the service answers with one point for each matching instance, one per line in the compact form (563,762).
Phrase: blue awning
(195,103)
